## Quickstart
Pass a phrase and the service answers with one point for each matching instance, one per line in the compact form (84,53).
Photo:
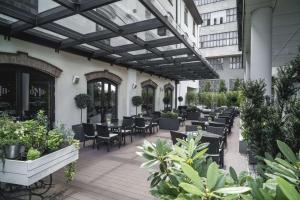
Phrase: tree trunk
(81,116)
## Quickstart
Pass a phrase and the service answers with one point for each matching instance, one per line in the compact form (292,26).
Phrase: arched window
(24,91)
(169,94)
(148,95)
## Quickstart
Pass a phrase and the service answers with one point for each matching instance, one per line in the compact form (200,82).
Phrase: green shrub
(137,101)
(183,171)
(191,98)
(170,115)
(33,154)
(55,140)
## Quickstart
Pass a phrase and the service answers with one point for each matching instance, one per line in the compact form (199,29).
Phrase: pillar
(261,46)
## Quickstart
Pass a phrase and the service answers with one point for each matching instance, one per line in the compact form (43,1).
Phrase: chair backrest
(102,130)
(199,123)
(214,144)
(139,122)
(216,124)
(156,114)
(221,120)
(204,119)
(114,120)
(176,134)
(127,122)
(191,128)
(88,129)
(215,130)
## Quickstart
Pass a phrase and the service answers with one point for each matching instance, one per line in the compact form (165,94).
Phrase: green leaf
(192,174)
(150,163)
(288,189)
(286,151)
(200,154)
(212,175)
(233,175)
(191,189)
(233,190)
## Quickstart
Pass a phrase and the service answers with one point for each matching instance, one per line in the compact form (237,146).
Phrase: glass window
(236,62)
(204,2)
(194,28)
(169,94)
(186,16)
(219,39)
(231,15)
(217,63)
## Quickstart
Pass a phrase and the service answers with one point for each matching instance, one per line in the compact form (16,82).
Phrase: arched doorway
(103,88)
(148,95)
(27,85)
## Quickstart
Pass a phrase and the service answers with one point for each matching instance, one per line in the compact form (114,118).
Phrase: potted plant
(137,101)
(82,101)
(180,99)
(169,121)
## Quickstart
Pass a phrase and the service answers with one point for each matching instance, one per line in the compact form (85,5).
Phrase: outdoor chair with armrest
(104,135)
(191,128)
(89,133)
(177,134)
(199,123)
(219,131)
(141,126)
(215,149)
(127,128)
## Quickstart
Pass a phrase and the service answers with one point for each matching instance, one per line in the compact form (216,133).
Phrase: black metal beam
(160,62)
(148,4)
(15,12)
(107,34)
(169,53)
(57,13)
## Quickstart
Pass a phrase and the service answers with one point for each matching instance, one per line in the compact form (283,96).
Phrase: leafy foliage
(207,86)
(222,87)
(170,115)
(231,98)
(191,98)
(82,101)
(183,172)
(33,154)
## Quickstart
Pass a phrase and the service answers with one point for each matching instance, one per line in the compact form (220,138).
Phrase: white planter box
(28,172)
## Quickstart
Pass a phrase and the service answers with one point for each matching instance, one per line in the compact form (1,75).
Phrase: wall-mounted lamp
(134,86)
(75,80)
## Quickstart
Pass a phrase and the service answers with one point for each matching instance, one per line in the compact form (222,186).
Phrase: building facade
(36,74)
(218,41)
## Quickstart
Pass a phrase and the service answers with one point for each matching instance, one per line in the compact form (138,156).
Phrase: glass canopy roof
(140,36)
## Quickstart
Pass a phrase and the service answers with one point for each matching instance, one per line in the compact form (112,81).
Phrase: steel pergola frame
(164,63)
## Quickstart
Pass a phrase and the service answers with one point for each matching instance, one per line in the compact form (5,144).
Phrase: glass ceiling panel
(137,52)
(79,24)
(117,41)
(6,19)
(90,46)
(121,14)
(154,34)
(50,33)
(44,5)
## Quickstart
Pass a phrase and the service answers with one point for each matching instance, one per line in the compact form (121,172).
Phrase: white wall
(65,109)
(183,87)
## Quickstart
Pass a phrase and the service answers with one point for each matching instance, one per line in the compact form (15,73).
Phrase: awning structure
(150,42)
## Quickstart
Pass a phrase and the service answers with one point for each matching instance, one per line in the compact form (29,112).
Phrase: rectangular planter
(28,172)
(169,124)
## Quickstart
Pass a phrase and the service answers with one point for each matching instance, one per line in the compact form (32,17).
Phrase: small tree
(137,101)
(237,85)
(82,101)
(191,98)
(180,99)
(166,100)
(207,87)
(222,86)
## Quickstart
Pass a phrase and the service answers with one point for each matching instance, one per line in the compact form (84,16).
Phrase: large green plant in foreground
(183,172)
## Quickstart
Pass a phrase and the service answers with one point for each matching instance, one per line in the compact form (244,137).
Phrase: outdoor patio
(117,174)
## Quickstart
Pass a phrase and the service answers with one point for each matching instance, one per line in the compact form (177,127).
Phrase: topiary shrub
(137,101)
(180,99)
(82,101)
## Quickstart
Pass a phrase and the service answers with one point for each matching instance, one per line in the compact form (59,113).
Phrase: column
(261,46)
(247,67)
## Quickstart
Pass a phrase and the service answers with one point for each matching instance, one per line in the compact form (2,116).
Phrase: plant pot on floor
(12,151)
(169,124)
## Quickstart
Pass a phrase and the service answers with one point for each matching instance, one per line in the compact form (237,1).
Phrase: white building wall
(72,65)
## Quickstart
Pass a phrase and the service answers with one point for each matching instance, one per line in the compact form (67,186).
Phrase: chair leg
(84,143)
(108,145)
(94,142)
(131,137)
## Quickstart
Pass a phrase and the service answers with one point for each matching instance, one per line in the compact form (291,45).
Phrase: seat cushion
(111,135)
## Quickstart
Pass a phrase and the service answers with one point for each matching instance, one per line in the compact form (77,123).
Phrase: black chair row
(215,148)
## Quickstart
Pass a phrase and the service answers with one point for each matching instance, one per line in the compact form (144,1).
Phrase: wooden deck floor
(117,175)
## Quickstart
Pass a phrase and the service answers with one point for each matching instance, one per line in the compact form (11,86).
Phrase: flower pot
(12,151)
(22,151)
